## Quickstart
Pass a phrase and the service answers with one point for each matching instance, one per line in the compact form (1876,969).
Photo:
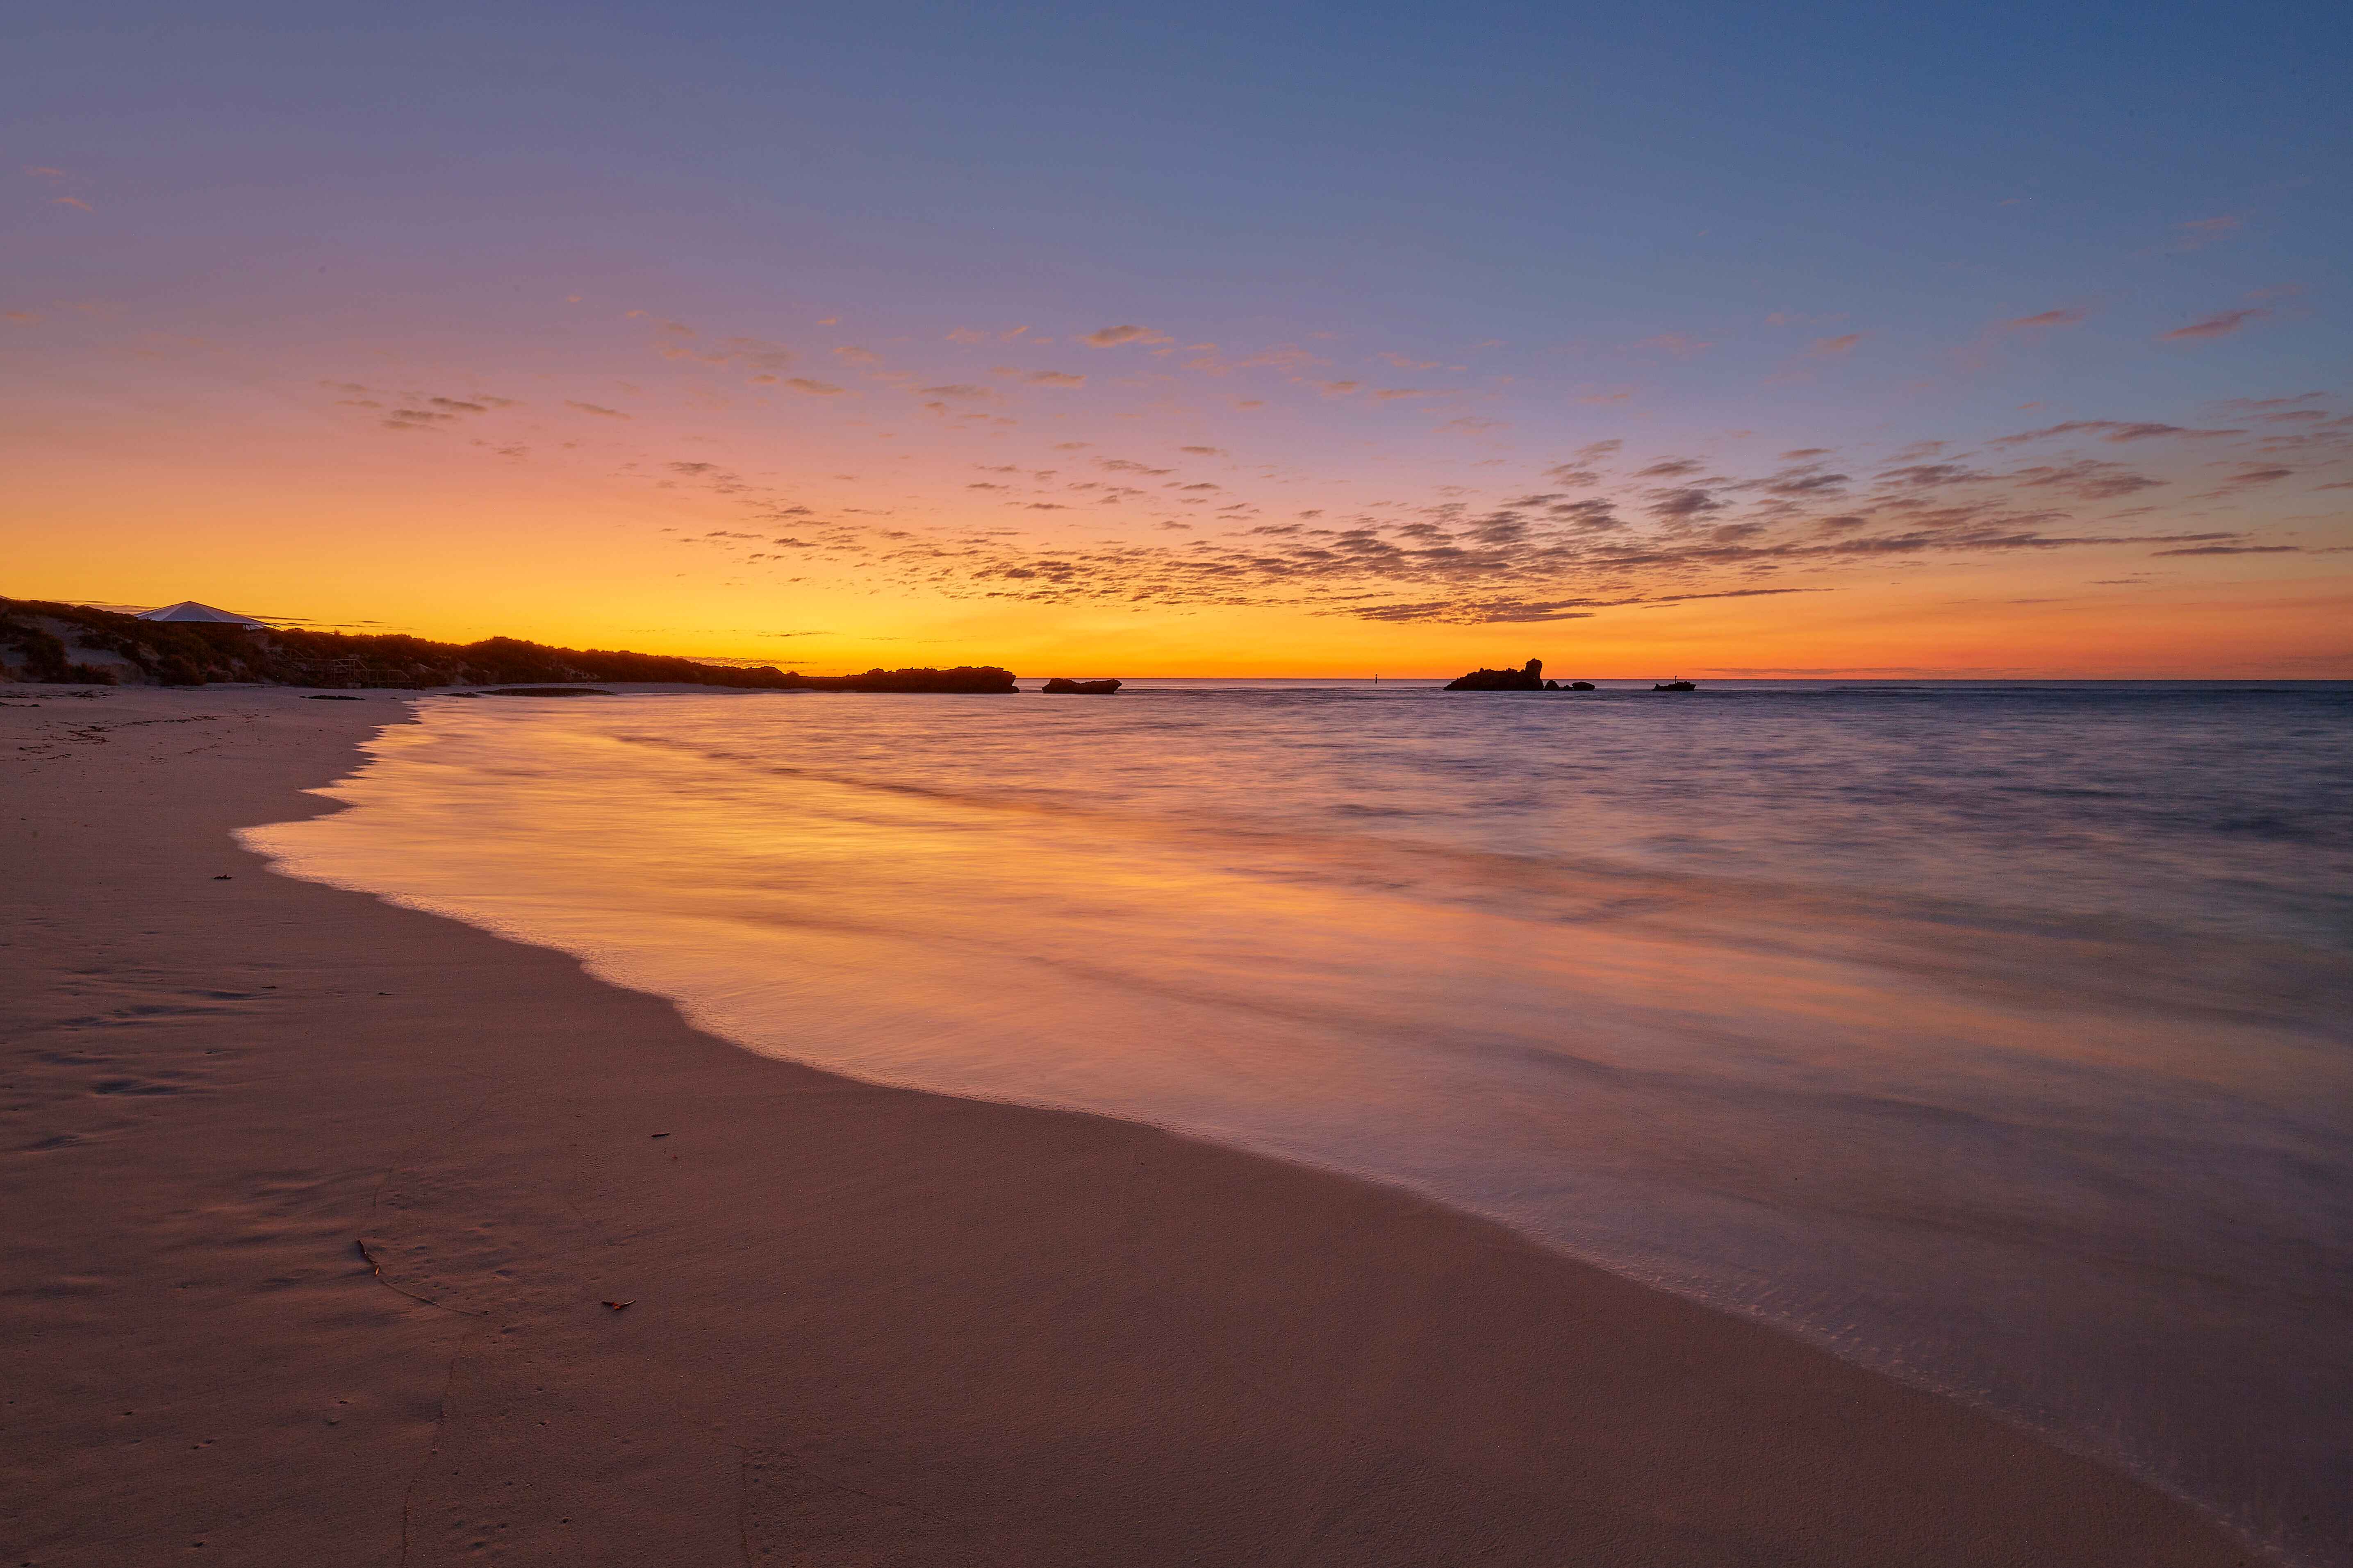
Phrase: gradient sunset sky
(1199,339)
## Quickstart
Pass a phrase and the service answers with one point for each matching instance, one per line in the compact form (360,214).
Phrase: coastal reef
(1062,686)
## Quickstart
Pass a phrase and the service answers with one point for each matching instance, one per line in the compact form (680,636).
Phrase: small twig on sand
(376,1268)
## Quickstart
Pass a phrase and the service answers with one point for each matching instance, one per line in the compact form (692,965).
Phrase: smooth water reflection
(1993,1036)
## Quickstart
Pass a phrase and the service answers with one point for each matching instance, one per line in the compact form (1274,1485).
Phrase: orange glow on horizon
(1153,529)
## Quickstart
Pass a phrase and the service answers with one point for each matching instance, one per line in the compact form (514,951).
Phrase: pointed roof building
(189,610)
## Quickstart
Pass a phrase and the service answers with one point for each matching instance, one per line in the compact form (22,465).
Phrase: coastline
(865,1324)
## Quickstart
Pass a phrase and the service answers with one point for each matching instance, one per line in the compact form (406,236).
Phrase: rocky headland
(53,643)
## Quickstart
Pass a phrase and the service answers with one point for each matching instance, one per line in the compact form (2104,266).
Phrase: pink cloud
(2109,430)
(2221,326)
(1833,348)
(1675,343)
(72,201)
(1111,337)
(1283,356)
(2249,403)
(2062,318)
(2205,231)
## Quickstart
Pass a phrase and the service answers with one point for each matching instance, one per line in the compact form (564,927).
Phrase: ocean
(1997,1036)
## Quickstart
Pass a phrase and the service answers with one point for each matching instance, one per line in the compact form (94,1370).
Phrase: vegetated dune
(45,641)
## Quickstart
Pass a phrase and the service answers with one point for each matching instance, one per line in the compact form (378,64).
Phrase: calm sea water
(1999,1037)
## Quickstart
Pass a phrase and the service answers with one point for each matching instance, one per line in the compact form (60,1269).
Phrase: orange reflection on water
(1998,1158)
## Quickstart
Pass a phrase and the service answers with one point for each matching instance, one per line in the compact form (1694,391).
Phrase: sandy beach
(344,1233)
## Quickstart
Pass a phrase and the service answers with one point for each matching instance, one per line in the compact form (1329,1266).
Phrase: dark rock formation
(968,679)
(1675,685)
(1580,686)
(1061,686)
(1527,678)
(547,692)
(1552,686)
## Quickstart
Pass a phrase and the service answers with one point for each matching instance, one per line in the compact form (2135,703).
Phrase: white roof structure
(189,610)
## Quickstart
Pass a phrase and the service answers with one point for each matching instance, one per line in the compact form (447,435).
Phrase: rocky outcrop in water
(1062,686)
(1527,678)
(965,680)
(544,691)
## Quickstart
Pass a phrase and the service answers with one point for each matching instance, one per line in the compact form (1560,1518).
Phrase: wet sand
(864,1325)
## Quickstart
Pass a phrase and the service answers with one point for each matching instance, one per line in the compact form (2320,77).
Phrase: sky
(1279,338)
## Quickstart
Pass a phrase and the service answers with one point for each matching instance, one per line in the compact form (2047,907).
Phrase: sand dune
(862,1325)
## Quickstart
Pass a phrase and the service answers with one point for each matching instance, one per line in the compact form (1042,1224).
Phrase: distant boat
(1675,685)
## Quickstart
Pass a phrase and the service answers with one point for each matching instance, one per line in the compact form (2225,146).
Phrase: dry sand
(866,1326)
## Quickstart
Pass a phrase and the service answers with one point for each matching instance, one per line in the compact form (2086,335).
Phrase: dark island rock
(1062,686)
(1675,685)
(1528,677)
(548,691)
(964,679)
(1580,686)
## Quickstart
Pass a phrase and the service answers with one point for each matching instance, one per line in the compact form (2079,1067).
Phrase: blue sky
(1475,169)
